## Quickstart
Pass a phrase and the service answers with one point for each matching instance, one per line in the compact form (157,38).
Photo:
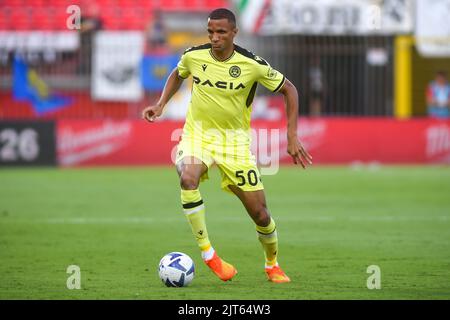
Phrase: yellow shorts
(237,165)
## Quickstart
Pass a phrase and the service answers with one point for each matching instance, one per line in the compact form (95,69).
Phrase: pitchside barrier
(134,142)
(329,140)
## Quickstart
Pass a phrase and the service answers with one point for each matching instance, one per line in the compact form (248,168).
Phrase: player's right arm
(172,85)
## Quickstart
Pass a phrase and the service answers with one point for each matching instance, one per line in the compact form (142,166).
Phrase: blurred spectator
(438,96)
(316,87)
(158,57)
(90,23)
(156,35)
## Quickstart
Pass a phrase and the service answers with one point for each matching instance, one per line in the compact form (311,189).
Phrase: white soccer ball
(176,269)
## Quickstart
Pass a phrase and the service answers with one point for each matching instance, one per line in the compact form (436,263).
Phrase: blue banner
(155,69)
(28,86)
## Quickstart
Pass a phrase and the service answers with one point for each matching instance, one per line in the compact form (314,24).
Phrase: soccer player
(217,131)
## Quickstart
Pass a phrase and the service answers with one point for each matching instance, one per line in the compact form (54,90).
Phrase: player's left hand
(299,153)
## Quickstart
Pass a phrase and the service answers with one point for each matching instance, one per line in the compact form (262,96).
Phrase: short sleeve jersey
(223,91)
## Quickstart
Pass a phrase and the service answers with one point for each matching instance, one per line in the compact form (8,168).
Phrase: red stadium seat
(13,3)
(169,4)
(4,25)
(41,20)
(110,18)
(36,3)
(192,4)
(107,4)
(4,20)
(56,3)
(132,19)
(20,20)
(116,14)
(5,13)
(125,4)
(214,4)
(149,4)
(60,19)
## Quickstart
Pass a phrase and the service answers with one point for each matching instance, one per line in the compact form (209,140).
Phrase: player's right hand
(151,113)
(299,153)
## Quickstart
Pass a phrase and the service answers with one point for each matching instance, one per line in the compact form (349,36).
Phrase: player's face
(221,33)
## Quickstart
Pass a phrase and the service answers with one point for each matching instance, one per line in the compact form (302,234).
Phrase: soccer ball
(176,269)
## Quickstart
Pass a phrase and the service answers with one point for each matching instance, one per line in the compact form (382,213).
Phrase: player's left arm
(295,147)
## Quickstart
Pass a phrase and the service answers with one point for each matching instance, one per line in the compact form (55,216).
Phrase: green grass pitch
(333,223)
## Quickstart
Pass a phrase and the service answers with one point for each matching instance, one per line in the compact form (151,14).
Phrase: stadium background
(71,98)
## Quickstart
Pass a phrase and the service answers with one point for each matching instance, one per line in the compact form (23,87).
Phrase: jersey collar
(227,59)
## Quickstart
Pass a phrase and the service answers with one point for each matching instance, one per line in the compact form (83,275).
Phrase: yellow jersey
(223,92)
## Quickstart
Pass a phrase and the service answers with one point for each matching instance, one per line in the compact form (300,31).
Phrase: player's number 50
(252,177)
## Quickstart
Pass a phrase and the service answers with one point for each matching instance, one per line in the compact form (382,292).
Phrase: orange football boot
(222,269)
(275,274)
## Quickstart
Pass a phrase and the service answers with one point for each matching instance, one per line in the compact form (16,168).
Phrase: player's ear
(235,30)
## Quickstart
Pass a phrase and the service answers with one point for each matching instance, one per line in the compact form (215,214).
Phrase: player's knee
(261,216)
(188,181)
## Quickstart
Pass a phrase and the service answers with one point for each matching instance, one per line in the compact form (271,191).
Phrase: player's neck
(223,55)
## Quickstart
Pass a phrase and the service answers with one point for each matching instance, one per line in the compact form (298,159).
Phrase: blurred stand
(341,67)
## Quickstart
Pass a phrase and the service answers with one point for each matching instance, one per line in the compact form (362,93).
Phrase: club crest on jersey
(271,73)
(235,71)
